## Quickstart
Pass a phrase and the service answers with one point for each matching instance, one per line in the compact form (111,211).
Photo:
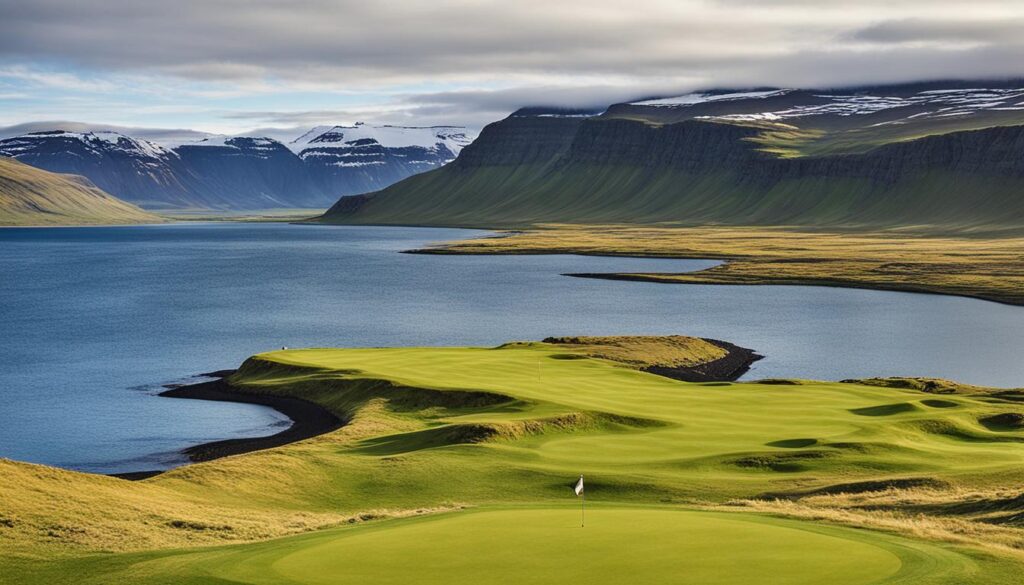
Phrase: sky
(276,67)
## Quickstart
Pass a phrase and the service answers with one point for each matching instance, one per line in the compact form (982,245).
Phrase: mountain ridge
(859,167)
(220,172)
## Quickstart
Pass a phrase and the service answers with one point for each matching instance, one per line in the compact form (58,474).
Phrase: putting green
(547,545)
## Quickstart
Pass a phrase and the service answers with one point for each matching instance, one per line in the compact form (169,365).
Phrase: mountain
(31,196)
(242,172)
(940,154)
(138,171)
(361,158)
(247,173)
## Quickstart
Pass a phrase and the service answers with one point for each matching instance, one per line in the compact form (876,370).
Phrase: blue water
(94,320)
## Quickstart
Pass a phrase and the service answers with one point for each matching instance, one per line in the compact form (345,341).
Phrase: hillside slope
(30,196)
(934,157)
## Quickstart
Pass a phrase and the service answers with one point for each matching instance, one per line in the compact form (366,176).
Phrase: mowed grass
(479,446)
(548,545)
(914,259)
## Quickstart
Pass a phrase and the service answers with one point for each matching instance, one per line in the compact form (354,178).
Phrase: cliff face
(548,169)
(520,140)
(686,146)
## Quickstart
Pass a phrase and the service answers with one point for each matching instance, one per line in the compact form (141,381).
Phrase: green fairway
(457,461)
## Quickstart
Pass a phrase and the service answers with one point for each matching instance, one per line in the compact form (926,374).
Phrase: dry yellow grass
(46,510)
(31,196)
(643,351)
(990,268)
(979,518)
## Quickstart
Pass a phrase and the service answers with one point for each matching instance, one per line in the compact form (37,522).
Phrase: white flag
(578,488)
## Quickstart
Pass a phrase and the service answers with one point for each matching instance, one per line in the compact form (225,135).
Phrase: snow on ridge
(225,141)
(942,103)
(703,97)
(452,137)
(105,139)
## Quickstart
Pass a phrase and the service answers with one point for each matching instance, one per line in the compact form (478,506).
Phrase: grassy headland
(504,431)
(986,267)
(34,197)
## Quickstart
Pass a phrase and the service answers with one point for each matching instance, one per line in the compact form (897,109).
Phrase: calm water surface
(94,320)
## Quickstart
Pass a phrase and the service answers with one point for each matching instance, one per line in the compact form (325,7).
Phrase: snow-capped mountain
(222,172)
(138,171)
(366,158)
(250,173)
(94,143)
(436,139)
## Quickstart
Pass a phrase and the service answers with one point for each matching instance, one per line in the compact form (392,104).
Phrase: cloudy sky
(233,66)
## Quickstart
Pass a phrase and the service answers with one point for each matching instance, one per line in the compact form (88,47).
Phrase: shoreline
(729,368)
(900,262)
(679,278)
(308,420)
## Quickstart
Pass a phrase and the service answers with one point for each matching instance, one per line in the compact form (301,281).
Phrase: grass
(34,197)
(641,351)
(494,436)
(250,216)
(985,267)
(522,172)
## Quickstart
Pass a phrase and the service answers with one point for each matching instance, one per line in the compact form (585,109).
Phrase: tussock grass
(991,519)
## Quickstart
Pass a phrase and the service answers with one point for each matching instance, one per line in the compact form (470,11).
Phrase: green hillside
(694,172)
(458,461)
(943,155)
(34,197)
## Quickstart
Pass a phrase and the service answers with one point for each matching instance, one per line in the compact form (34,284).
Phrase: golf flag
(578,488)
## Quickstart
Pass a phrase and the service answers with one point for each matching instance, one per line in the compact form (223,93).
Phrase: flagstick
(583,505)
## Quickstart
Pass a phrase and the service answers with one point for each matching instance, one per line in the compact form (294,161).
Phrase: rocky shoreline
(725,369)
(308,420)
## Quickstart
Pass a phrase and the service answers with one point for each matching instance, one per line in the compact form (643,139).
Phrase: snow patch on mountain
(700,98)
(941,103)
(225,141)
(95,141)
(451,137)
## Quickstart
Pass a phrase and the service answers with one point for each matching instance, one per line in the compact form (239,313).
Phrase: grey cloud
(366,43)
(158,135)
(1003,31)
(570,52)
(472,108)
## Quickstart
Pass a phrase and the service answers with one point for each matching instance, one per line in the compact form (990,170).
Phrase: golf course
(456,465)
